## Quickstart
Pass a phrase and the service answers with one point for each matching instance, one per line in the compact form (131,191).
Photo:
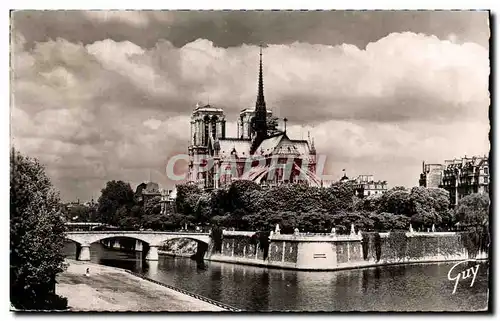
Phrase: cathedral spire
(259,122)
(261,103)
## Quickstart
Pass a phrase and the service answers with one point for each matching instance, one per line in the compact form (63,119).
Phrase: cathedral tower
(208,125)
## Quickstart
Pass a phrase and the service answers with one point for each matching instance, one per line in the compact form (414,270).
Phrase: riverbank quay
(332,252)
(116,290)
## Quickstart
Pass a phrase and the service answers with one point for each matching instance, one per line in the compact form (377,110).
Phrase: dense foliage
(473,210)
(36,236)
(247,206)
(476,240)
(115,203)
(473,214)
(80,212)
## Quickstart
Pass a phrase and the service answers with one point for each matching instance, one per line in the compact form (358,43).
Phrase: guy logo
(463,275)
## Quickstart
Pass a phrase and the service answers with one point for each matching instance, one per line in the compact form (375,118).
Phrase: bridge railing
(137,232)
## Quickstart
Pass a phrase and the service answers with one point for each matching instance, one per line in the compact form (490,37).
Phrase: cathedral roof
(252,110)
(241,146)
(268,145)
(302,146)
(278,144)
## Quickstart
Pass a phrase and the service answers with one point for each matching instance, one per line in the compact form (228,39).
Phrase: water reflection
(153,268)
(422,287)
(200,265)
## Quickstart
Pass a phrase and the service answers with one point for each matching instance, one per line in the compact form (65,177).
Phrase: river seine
(416,287)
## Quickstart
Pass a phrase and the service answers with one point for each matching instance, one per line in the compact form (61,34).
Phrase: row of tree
(247,206)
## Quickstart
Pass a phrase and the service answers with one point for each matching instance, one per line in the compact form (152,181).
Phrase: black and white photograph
(250,161)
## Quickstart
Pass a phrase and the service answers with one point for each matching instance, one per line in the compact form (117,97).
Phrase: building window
(486,180)
(486,170)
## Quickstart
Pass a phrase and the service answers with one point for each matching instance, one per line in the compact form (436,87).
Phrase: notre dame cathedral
(217,160)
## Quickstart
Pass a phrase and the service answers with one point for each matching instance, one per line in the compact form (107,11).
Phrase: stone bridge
(152,239)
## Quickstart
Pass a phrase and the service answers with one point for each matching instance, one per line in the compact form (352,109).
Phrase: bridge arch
(84,239)
(151,239)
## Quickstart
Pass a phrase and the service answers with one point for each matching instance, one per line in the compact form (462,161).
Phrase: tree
(473,209)
(115,202)
(428,205)
(152,206)
(79,213)
(36,236)
(396,201)
(287,198)
(339,196)
(441,199)
(424,217)
(220,203)
(343,221)
(239,193)
(187,197)
(388,221)
(472,212)
(315,221)
(371,203)
(152,218)
(266,221)
(203,208)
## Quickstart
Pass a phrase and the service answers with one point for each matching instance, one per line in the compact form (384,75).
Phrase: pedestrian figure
(87,273)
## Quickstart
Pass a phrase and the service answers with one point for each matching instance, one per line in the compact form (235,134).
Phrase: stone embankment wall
(332,252)
(410,247)
(179,247)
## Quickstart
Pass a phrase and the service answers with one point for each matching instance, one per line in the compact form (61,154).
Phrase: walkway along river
(416,287)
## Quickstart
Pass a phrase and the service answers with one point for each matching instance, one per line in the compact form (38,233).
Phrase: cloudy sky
(108,95)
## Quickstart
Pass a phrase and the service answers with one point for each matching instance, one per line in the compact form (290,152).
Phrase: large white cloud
(115,110)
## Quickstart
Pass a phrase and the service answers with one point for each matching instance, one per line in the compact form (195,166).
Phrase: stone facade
(460,177)
(366,185)
(432,175)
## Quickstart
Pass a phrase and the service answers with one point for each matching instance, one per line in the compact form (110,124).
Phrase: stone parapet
(306,237)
